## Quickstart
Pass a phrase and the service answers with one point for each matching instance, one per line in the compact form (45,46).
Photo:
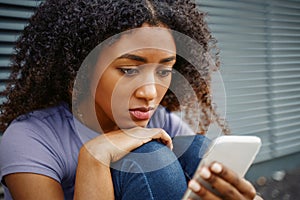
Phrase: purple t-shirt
(47,142)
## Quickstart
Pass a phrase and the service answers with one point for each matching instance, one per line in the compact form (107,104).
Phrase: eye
(129,71)
(164,72)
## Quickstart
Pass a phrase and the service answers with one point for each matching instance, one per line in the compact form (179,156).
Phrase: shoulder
(37,142)
(53,115)
(42,125)
(43,122)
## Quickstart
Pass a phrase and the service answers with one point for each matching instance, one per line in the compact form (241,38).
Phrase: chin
(142,123)
(134,124)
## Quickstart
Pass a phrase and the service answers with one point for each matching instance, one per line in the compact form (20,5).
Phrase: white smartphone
(235,152)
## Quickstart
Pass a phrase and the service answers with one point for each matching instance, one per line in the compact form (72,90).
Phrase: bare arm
(93,178)
(31,186)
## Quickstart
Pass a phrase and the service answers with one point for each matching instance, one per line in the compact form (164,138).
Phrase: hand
(225,181)
(112,146)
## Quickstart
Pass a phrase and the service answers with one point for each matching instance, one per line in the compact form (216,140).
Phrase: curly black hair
(61,34)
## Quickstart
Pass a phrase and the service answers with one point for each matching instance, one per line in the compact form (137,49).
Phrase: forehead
(139,39)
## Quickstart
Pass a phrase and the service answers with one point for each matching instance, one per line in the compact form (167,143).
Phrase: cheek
(103,95)
(119,95)
(161,91)
(163,87)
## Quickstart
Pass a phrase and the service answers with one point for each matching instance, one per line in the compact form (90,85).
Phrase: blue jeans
(153,171)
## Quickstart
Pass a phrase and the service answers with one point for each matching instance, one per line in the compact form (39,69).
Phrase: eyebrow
(142,59)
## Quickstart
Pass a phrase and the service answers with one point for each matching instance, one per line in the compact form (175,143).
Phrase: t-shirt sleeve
(170,122)
(27,147)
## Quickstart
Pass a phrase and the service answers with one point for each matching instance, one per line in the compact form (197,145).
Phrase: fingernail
(205,173)
(194,186)
(216,167)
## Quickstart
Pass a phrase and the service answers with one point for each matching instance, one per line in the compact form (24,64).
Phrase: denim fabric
(163,175)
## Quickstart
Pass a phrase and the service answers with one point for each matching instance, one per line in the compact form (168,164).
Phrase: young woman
(88,115)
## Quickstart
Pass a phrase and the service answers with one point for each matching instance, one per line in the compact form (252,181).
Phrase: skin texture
(228,184)
(62,33)
(133,73)
(95,155)
(124,132)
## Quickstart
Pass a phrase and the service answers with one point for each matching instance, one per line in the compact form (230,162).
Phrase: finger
(224,188)
(147,134)
(242,185)
(164,137)
(201,191)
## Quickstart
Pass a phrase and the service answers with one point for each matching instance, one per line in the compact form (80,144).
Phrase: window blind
(259,42)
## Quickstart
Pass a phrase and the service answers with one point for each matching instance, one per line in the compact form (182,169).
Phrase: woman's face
(135,75)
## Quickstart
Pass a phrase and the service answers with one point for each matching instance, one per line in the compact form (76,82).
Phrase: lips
(141,113)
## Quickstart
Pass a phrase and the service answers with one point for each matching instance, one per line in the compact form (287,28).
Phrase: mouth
(142,113)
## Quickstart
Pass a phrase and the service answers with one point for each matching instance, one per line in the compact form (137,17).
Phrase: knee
(148,157)
(149,147)
(193,146)
(190,151)
(142,170)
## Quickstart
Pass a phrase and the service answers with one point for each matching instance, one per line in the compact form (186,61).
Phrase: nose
(147,92)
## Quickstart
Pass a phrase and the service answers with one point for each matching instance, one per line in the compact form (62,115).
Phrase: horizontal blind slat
(27,3)
(260,57)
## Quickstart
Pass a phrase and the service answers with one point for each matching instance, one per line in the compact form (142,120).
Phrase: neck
(92,117)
